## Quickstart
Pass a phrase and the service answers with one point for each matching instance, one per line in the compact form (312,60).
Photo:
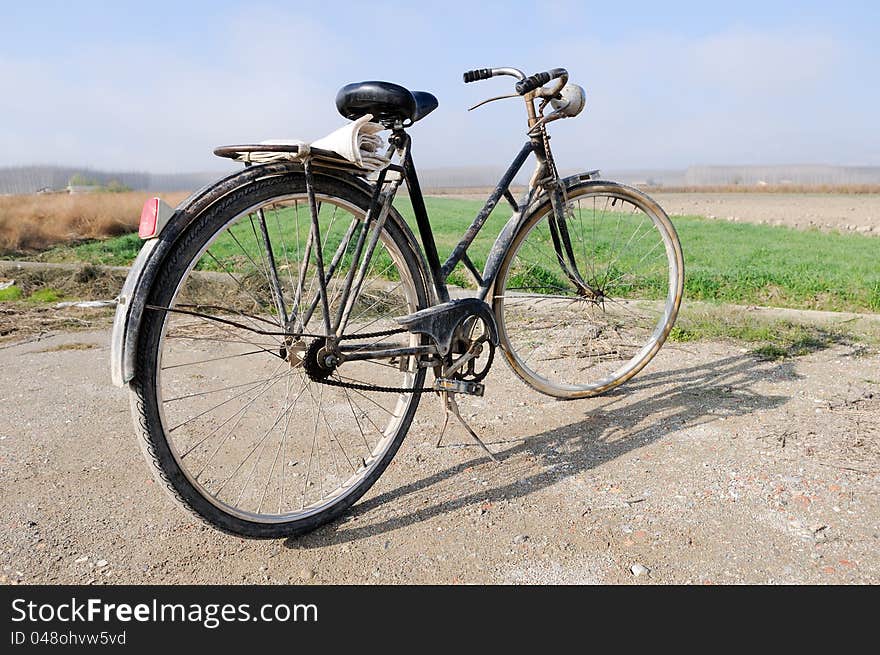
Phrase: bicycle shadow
(680,398)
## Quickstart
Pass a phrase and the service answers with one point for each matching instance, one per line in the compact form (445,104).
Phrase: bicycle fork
(558,219)
(558,223)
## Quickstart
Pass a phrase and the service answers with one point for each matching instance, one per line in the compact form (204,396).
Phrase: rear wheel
(232,417)
(580,332)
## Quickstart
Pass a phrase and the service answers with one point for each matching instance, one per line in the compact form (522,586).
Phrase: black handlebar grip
(532,82)
(476,75)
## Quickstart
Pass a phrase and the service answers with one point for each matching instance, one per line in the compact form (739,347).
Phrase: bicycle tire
(561,351)
(146,401)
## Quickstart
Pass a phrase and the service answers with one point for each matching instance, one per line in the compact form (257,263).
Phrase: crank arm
(473,352)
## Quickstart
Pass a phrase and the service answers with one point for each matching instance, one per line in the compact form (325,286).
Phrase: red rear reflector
(149,219)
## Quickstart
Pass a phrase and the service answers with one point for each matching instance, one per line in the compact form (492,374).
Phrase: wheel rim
(559,339)
(249,430)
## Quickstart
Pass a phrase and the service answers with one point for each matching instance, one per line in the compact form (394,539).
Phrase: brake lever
(484,102)
(556,115)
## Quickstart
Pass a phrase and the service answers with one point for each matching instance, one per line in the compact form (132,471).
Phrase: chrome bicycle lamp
(571,101)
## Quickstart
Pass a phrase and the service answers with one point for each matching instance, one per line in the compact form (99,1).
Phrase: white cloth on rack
(359,142)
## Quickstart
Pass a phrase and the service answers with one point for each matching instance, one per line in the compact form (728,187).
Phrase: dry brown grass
(36,222)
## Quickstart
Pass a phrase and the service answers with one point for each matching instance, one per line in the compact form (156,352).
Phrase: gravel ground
(710,467)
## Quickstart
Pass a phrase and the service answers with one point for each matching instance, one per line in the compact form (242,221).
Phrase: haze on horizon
(155,86)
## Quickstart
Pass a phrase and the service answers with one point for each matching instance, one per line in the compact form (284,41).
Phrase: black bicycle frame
(440,273)
(381,202)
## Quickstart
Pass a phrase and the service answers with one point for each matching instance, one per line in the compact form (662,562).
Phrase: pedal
(466,387)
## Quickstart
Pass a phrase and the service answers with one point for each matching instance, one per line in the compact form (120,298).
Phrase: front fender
(535,201)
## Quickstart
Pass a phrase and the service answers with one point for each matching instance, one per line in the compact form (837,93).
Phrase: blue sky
(155,86)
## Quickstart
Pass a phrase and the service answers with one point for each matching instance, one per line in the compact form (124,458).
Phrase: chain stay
(472,387)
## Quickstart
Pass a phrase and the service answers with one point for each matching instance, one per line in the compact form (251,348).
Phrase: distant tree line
(804,174)
(31,179)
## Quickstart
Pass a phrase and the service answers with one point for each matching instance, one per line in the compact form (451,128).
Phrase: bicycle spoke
(238,283)
(251,452)
(277,452)
(365,413)
(264,259)
(552,340)
(356,419)
(220,404)
(217,359)
(240,413)
(311,457)
(207,393)
(254,433)
(330,430)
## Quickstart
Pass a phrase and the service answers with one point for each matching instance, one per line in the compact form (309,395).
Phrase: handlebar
(531,88)
(478,74)
(540,79)
(525,84)
(486,73)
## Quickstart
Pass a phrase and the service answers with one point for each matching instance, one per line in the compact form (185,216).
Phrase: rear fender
(148,264)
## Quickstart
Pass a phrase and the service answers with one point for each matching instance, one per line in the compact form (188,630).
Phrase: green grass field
(725,262)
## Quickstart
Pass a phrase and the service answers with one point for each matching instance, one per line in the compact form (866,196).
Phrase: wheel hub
(318,363)
(294,351)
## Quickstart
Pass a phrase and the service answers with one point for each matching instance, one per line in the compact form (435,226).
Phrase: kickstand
(451,407)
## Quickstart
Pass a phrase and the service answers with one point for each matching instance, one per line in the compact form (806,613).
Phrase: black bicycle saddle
(387,102)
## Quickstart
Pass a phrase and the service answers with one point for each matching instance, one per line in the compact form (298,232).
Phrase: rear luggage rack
(257,153)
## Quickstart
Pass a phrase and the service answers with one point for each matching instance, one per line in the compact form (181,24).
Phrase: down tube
(501,245)
(481,218)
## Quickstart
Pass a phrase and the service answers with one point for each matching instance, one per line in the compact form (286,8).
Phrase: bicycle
(277,328)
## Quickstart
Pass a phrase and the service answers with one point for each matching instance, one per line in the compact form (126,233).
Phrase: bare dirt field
(847,212)
(710,467)
(837,211)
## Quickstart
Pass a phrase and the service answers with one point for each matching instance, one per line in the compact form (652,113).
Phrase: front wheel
(584,303)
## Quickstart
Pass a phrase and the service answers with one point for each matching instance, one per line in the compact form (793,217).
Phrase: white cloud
(731,97)
(654,100)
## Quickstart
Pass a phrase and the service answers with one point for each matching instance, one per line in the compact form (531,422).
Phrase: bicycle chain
(370,387)
(373,387)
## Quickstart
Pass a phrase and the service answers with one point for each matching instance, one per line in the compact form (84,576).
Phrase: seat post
(421,212)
